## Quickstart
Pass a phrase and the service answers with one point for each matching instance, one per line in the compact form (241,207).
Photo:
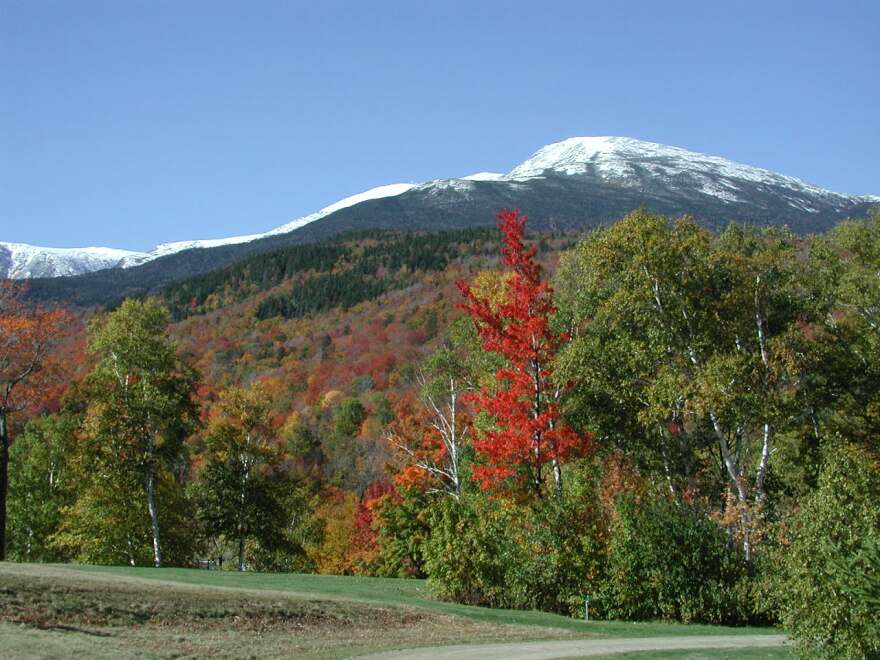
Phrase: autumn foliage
(528,433)
(27,337)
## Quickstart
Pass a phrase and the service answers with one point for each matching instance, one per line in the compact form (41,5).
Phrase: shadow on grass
(73,629)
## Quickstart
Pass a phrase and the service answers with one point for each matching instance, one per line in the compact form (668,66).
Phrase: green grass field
(59,611)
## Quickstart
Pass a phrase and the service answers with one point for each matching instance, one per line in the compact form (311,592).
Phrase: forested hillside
(680,422)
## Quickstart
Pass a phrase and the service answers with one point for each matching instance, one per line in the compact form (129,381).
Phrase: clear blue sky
(132,122)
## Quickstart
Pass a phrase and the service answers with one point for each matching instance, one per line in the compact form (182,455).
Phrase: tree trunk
(4,481)
(557,474)
(242,500)
(537,475)
(734,471)
(154,515)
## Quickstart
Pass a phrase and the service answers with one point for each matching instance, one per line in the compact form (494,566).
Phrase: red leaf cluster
(528,431)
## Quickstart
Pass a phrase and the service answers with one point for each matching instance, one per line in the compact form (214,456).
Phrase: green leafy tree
(42,483)
(243,488)
(499,553)
(348,418)
(669,560)
(140,404)
(106,524)
(403,529)
(847,263)
(683,355)
(467,554)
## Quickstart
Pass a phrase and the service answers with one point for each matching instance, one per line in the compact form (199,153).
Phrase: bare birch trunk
(154,515)
(150,483)
(742,496)
(241,532)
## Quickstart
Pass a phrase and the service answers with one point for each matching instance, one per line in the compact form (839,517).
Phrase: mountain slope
(21,261)
(576,183)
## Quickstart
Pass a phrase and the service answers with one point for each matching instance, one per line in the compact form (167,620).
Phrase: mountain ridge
(575,183)
(76,261)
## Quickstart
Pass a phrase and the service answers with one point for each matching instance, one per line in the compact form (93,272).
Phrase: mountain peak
(609,155)
(632,163)
(572,155)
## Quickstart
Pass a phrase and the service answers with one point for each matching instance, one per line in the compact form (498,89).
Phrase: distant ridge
(577,183)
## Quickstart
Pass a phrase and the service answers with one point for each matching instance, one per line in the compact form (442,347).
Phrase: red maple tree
(528,433)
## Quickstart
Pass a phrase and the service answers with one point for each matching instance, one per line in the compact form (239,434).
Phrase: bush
(499,553)
(557,557)
(403,529)
(668,560)
(828,581)
(466,554)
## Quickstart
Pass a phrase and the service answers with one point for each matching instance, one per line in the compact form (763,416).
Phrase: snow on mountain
(484,176)
(22,261)
(373,193)
(391,190)
(625,161)
(463,185)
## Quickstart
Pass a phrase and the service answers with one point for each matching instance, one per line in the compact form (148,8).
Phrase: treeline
(322,292)
(350,268)
(255,274)
(682,424)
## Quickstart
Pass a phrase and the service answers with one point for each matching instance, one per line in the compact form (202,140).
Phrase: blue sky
(128,123)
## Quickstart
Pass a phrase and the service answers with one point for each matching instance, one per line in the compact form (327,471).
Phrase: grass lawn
(60,611)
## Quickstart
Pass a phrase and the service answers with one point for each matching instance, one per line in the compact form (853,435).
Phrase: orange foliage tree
(27,335)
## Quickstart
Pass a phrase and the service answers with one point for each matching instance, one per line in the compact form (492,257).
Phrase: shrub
(466,554)
(668,560)
(828,583)
(557,557)
(499,553)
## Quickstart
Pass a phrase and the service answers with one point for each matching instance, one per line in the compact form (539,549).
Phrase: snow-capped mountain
(575,183)
(636,163)
(21,261)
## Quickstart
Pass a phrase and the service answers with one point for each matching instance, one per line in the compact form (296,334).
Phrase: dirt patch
(50,603)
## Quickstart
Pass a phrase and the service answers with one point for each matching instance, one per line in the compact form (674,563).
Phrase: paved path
(578,648)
